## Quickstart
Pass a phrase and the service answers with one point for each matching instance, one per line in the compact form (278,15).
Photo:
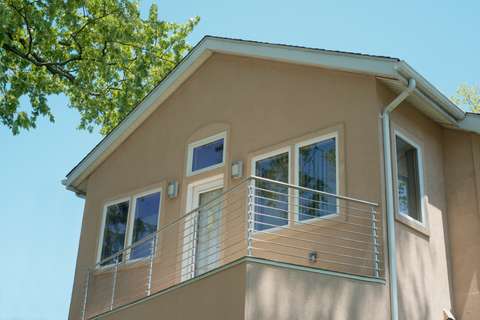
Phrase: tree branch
(38,61)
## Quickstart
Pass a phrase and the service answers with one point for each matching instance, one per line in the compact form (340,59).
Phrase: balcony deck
(257,218)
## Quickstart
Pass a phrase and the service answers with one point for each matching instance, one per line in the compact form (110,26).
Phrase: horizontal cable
(312,241)
(325,217)
(142,241)
(325,261)
(312,233)
(297,187)
(313,224)
(288,195)
(313,249)
(181,262)
(190,252)
(156,280)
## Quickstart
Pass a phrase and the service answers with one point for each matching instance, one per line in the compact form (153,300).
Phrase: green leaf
(101,54)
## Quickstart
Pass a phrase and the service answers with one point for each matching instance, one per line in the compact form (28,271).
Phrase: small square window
(206,154)
(408,180)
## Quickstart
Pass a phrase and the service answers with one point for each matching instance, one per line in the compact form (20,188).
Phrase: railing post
(150,267)
(250,215)
(85,296)
(114,284)
(376,253)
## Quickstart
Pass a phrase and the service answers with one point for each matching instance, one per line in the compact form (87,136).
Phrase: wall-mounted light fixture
(312,256)
(172,189)
(237,169)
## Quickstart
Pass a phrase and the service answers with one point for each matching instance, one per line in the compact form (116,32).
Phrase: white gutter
(387,158)
(431,91)
(79,193)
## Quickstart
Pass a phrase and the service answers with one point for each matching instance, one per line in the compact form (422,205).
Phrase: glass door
(207,249)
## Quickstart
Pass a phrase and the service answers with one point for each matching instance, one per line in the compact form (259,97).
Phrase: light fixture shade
(172,189)
(237,169)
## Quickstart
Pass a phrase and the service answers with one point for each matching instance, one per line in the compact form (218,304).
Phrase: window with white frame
(409,185)
(144,222)
(317,169)
(206,154)
(271,199)
(123,227)
(114,230)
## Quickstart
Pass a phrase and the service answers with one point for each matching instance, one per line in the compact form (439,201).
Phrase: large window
(145,222)
(206,154)
(409,188)
(114,229)
(271,199)
(317,170)
(122,227)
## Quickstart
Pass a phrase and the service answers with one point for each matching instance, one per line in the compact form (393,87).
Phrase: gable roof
(391,71)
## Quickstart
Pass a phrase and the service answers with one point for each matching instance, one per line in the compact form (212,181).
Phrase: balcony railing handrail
(203,242)
(297,187)
(206,205)
(171,223)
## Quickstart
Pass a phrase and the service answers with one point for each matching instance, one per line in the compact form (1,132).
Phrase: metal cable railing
(258,217)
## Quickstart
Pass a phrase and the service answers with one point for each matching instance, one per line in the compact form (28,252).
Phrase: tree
(100,53)
(468,96)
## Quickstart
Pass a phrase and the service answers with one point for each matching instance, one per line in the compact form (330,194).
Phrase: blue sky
(40,221)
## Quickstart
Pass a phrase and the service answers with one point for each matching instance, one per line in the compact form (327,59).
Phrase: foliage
(100,53)
(468,97)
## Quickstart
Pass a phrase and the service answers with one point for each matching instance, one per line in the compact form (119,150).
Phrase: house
(265,181)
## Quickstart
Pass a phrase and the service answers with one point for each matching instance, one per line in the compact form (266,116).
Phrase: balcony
(257,218)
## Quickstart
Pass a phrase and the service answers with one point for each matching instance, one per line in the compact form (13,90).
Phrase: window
(206,154)
(144,222)
(271,199)
(409,193)
(115,226)
(317,170)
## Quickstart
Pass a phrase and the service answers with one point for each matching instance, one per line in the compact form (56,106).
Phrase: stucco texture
(263,105)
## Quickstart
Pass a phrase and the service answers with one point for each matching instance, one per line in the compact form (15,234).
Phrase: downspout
(387,158)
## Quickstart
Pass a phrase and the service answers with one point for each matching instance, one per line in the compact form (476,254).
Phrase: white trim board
(423,222)
(191,147)
(390,68)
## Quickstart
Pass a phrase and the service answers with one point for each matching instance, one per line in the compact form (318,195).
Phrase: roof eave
(431,92)
(471,123)
(159,94)
(385,67)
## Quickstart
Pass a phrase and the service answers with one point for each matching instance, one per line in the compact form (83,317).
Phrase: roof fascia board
(364,64)
(330,60)
(470,123)
(428,90)
(192,62)
(447,117)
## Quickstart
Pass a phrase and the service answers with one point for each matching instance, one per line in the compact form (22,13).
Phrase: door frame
(194,190)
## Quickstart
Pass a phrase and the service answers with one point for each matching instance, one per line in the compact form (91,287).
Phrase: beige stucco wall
(216,297)
(462,172)
(287,294)
(261,104)
(422,251)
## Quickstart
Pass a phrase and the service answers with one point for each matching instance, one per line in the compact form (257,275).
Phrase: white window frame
(104,219)
(187,270)
(297,174)
(253,170)
(423,216)
(131,219)
(199,143)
